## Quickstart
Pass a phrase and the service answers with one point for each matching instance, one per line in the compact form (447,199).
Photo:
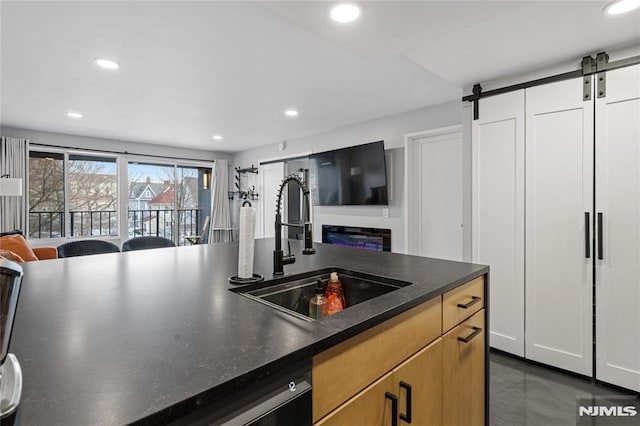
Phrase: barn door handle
(600,235)
(587,235)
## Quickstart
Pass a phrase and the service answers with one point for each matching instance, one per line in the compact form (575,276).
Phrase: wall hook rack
(249,193)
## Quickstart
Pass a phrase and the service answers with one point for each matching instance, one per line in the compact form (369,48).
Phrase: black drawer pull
(476,331)
(474,300)
(394,407)
(406,417)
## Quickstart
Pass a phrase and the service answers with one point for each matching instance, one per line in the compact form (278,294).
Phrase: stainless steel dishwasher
(283,398)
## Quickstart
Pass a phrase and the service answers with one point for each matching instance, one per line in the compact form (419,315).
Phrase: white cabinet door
(498,213)
(559,191)
(618,200)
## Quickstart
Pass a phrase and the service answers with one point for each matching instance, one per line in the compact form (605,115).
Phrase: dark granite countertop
(147,335)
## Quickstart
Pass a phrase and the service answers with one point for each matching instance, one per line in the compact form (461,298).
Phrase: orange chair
(15,247)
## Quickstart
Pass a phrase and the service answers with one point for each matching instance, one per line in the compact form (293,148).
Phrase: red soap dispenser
(335,296)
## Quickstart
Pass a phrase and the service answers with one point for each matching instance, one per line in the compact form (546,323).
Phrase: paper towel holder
(256,278)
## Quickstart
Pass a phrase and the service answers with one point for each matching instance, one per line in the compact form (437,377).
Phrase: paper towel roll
(246,241)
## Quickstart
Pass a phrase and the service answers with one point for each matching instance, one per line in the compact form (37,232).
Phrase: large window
(169,201)
(72,195)
(75,194)
(93,197)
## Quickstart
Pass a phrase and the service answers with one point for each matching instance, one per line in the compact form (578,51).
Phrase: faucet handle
(288,258)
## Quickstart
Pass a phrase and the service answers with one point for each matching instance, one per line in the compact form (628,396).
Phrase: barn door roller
(602,60)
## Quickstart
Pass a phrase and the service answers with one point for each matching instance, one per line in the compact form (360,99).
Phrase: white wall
(390,129)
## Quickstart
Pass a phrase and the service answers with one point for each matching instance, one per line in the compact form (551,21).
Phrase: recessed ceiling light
(74,115)
(291,113)
(345,12)
(621,6)
(217,137)
(106,63)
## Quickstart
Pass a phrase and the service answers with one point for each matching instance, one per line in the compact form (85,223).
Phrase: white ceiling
(194,69)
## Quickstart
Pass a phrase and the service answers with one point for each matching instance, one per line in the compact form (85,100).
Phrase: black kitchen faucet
(279,258)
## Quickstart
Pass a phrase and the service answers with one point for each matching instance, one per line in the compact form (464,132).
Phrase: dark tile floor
(526,394)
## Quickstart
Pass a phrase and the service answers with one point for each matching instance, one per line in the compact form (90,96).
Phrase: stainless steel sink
(291,294)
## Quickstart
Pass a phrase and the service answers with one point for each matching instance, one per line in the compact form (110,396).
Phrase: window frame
(167,162)
(66,152)
(122,161)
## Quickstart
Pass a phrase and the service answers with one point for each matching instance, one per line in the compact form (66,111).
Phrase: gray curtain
(220,229)
(14,162)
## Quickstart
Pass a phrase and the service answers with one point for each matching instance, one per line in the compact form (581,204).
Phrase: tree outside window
(46,195)
(91,195)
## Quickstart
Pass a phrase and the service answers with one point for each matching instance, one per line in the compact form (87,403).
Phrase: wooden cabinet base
(418,384)
(369,407)
(404,372)
(342,371)
(463,373)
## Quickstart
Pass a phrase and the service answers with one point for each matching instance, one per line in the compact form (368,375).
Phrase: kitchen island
(151,336)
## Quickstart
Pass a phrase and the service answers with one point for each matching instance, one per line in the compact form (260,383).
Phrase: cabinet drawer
(345,369)
(463,367)
(462,302)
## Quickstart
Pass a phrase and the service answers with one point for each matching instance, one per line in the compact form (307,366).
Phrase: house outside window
(166,200)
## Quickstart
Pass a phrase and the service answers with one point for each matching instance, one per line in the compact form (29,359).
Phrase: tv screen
(356,175)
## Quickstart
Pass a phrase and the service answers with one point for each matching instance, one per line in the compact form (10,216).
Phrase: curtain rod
(118,152)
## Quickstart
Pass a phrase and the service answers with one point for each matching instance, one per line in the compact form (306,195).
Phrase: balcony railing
(87,222)
(46,224)
(157,222)
(160,223)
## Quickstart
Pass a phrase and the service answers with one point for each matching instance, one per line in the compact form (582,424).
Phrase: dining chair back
(86,247)
(146,242)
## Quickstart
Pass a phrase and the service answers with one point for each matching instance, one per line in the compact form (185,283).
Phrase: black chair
(86,247)
(148,242)
(15,232)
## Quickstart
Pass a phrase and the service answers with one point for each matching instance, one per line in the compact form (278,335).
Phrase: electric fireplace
(378,239)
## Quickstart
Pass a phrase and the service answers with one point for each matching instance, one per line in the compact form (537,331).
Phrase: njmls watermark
(604,410)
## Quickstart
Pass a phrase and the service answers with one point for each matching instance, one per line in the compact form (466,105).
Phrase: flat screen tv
(356,175)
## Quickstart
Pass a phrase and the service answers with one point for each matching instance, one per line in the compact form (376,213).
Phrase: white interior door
(498,213)
(618,199)
(559,190)
(271,176)
(436,222)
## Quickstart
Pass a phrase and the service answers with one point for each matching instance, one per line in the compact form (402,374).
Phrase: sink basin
(292,294)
